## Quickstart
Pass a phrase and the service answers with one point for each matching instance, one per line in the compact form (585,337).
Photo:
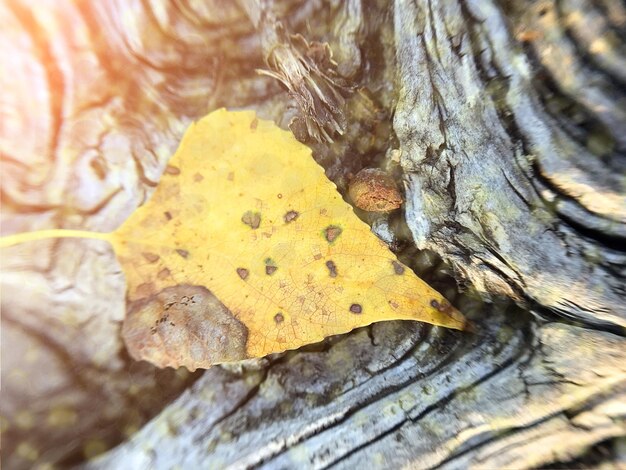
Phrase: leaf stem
(18,238)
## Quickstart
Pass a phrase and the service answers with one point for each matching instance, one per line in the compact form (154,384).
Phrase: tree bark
(516,202)
(505,123)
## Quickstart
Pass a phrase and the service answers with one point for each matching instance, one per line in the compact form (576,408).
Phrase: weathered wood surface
(519,204)
(398,395)
(510,122)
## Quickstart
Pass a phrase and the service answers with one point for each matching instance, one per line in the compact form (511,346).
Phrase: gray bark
(494,183)
(505,123)
(397,395)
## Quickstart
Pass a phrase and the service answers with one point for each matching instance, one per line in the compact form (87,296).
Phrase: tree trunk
(505,122)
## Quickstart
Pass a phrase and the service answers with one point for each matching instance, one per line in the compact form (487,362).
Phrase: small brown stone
(374,190)
(205,332)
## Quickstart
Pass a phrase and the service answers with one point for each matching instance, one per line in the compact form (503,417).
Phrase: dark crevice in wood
(601,455)
(237,407)
(564,316)
(583,54)
(547,90)
(362,403)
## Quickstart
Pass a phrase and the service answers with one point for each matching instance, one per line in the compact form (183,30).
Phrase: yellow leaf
(243,214)
(244,211)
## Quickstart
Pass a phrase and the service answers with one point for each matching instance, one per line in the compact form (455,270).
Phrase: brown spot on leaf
(172,170)
(332,232)
(394,304)
(183,253)
(254,124)
(270,266)
(317,257)
(291,216)
(231,176)
(243,273)
(198,177)
(151,257)
(206,331)
(397,268)
(168,215)
(279,318)
(279,196)
(332,268)
(444,306)
(163,273)
(251,219)
(356,308)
